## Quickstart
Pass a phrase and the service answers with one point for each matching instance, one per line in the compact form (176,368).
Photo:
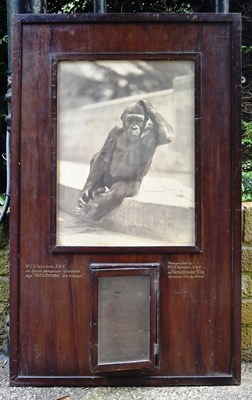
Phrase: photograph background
(91,98)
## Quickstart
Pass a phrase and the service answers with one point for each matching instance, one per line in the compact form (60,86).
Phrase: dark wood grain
(199,319)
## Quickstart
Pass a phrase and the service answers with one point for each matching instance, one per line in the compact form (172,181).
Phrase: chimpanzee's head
(133,119)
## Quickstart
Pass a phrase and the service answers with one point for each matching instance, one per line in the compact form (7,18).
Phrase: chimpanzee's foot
(80,226)
(85,213)
(87,227)
(84,226)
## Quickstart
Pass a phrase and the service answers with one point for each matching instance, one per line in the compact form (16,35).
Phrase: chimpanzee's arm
(163,130)
(99,165)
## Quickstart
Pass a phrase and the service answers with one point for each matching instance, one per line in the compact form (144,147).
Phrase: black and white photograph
(125,153)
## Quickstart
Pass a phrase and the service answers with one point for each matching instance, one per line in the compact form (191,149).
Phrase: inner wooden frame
(125,270)
(196,146)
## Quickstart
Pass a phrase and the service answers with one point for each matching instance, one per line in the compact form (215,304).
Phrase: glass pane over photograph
(123,319)
(126,153)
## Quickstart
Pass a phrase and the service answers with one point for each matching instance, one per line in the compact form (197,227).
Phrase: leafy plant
(247,146)
(74,6)
(132,6)
(1,199)
(3,89)
(247,186)
(247,161)
(246,143)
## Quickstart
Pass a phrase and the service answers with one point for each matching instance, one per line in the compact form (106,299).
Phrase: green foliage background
(62,6)
(3,88)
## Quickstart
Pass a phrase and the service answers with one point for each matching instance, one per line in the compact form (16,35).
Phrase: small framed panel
(124,319)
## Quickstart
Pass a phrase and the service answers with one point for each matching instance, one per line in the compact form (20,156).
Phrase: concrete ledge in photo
(136,216)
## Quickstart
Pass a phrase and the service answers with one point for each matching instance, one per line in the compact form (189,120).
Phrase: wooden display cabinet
(150,294)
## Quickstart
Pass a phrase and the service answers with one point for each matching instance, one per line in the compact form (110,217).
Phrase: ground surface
(242,392)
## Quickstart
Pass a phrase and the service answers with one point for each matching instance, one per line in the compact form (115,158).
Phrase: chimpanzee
(117,170)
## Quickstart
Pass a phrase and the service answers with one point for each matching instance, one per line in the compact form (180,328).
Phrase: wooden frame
(192,227)
(199,304)
(125,271)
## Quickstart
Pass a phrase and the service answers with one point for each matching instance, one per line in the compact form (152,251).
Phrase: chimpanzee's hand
(84,196)
(148,108)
